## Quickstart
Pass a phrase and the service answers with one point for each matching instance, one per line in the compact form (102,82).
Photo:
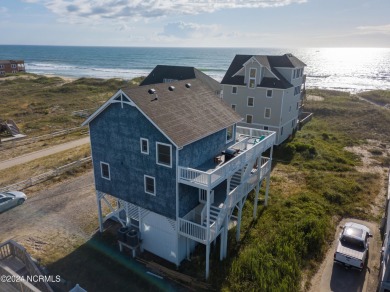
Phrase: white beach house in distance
(177,165)
(267,91)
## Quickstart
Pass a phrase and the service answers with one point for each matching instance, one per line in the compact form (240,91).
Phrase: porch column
(99,205)
(208,229)
(188,248)
(257,190)
(267,188)
(226,235)
(239,220)
(222,243)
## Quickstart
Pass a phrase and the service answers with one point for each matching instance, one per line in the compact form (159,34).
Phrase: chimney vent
(188,85)
(171,88)
(152,91)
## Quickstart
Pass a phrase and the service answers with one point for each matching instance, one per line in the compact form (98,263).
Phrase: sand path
(42,153)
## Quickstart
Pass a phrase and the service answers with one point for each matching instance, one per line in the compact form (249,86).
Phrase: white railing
(211,179)
(192,230)
(198,232)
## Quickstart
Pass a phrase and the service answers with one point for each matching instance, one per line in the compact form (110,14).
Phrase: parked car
(352,248)
(11,199)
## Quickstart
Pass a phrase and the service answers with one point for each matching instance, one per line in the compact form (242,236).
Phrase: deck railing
(195,177)
(11,248)
(198,232)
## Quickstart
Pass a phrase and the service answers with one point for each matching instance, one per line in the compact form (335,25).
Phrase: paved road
(42,153)
(334,277)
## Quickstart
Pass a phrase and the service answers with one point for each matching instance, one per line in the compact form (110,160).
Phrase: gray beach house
(267,91)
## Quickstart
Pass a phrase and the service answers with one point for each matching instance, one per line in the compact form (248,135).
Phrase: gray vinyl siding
(115,139)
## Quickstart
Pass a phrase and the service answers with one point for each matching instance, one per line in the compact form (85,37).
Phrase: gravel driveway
(53,221)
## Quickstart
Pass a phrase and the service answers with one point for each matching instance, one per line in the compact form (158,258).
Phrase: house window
(105,170)
(234,107)
(164,154)
(266,128)
(249,119)
(297,90)
(251,101)
(13,65)
(150,185)
(281,131)
(234,89)
(269,92)
(144,145)
(229,133)
(252,77)
(1,66)
(267,113)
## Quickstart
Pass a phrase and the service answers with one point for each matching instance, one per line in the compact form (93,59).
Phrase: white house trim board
(119,93)
(154,185)
(147,144)
(107,103)
(170,155)
(101,170)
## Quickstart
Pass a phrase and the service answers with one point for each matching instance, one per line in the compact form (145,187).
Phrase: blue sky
(197,23)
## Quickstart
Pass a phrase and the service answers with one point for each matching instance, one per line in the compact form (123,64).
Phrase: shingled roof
(185,114)
(269,62)
(177,73)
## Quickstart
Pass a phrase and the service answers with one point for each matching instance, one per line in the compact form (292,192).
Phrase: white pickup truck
(352,248)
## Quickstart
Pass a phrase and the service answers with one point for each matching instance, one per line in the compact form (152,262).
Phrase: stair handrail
(230,200)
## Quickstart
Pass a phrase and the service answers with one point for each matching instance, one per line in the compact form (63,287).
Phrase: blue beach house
(172,158)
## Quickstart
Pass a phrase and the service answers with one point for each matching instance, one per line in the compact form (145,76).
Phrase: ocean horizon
(345,69)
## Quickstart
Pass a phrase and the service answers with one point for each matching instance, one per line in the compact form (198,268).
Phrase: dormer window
(252,77)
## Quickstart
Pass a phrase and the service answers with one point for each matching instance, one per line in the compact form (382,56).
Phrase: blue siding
(204,150)
(200,152)
(115,139)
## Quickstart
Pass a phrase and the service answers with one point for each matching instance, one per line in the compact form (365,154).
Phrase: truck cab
(353,244)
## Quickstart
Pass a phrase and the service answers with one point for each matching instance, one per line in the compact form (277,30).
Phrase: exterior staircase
(235,180)
(214,214)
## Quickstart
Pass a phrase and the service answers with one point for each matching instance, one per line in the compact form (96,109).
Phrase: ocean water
(347,69)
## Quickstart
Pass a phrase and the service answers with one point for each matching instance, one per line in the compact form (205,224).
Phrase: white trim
(246,119)
(101,170)
(112,100)
(154,185)
(107,103)
(253,101)
(170,155)
(265,111)
(147,145)
(251,78)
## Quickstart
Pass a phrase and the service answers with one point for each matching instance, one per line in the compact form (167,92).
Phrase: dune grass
(40,104)
(313,185)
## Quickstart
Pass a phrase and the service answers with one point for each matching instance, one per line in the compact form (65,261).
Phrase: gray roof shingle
(270,62)
(184,114)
